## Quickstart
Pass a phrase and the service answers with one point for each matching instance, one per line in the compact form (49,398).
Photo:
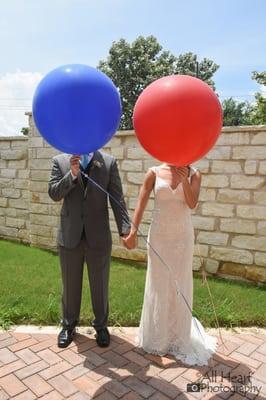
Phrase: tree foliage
(134,66)
(236,113)
(25,131)
(259,110)
(246,113)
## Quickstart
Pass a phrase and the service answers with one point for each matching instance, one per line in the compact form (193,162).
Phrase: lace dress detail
(167,325)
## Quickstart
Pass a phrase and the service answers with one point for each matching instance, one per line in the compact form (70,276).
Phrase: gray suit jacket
(88,206)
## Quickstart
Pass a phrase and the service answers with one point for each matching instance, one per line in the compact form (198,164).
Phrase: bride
(167,325)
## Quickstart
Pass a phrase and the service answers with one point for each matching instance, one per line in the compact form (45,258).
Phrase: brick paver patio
(33,367)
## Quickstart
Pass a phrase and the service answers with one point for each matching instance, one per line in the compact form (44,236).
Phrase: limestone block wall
(230,220)
(14,192)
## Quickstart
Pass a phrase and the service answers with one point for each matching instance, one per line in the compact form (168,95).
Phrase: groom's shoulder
(61,158)
(106,157)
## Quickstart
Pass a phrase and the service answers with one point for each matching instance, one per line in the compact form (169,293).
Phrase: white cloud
(16,91)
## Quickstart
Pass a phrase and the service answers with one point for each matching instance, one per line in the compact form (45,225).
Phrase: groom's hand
(123,238)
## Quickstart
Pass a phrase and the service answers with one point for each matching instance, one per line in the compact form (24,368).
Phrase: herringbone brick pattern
(33,367)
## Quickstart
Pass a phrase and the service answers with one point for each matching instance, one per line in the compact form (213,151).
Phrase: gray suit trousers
(98,266)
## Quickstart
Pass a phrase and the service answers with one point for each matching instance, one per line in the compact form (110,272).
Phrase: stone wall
(230,220)
(14,192)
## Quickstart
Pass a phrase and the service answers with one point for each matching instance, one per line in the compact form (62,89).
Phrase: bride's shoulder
(153,169)
(194,171)
(156,168)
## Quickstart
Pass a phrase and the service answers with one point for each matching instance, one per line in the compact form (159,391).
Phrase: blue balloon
(76,108)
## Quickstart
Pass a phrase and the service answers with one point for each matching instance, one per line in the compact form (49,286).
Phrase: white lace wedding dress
(167,325)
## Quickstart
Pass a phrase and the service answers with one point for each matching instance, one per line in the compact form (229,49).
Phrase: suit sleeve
(116,192)
(60,185)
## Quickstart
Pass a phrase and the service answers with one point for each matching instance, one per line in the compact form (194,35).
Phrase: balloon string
(146,240)
(205,281)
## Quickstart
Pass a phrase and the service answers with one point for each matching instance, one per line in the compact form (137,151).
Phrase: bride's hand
(182,172)
(130,241)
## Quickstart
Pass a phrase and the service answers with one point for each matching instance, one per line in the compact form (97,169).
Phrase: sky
(37,36)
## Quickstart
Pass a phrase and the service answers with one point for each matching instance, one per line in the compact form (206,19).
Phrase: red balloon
(177,119)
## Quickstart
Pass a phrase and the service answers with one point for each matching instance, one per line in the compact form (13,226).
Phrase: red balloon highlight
(177,119)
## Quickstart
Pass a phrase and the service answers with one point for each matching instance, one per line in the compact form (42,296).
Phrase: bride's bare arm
(192,189)
(143,198)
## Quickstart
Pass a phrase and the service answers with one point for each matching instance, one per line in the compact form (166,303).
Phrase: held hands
(130,240)
(74,164)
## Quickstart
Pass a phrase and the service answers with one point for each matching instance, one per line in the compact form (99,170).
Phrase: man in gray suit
(84,235)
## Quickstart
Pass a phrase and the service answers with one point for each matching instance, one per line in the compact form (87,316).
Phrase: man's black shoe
(65,337)
(103,337)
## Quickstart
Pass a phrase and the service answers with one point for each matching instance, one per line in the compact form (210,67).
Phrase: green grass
(30,292)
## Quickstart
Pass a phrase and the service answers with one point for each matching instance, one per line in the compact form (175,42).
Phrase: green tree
(236,113)
(186,65)
(25,131)
(245,113)
(134,66)
(260,77)
(259,109)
